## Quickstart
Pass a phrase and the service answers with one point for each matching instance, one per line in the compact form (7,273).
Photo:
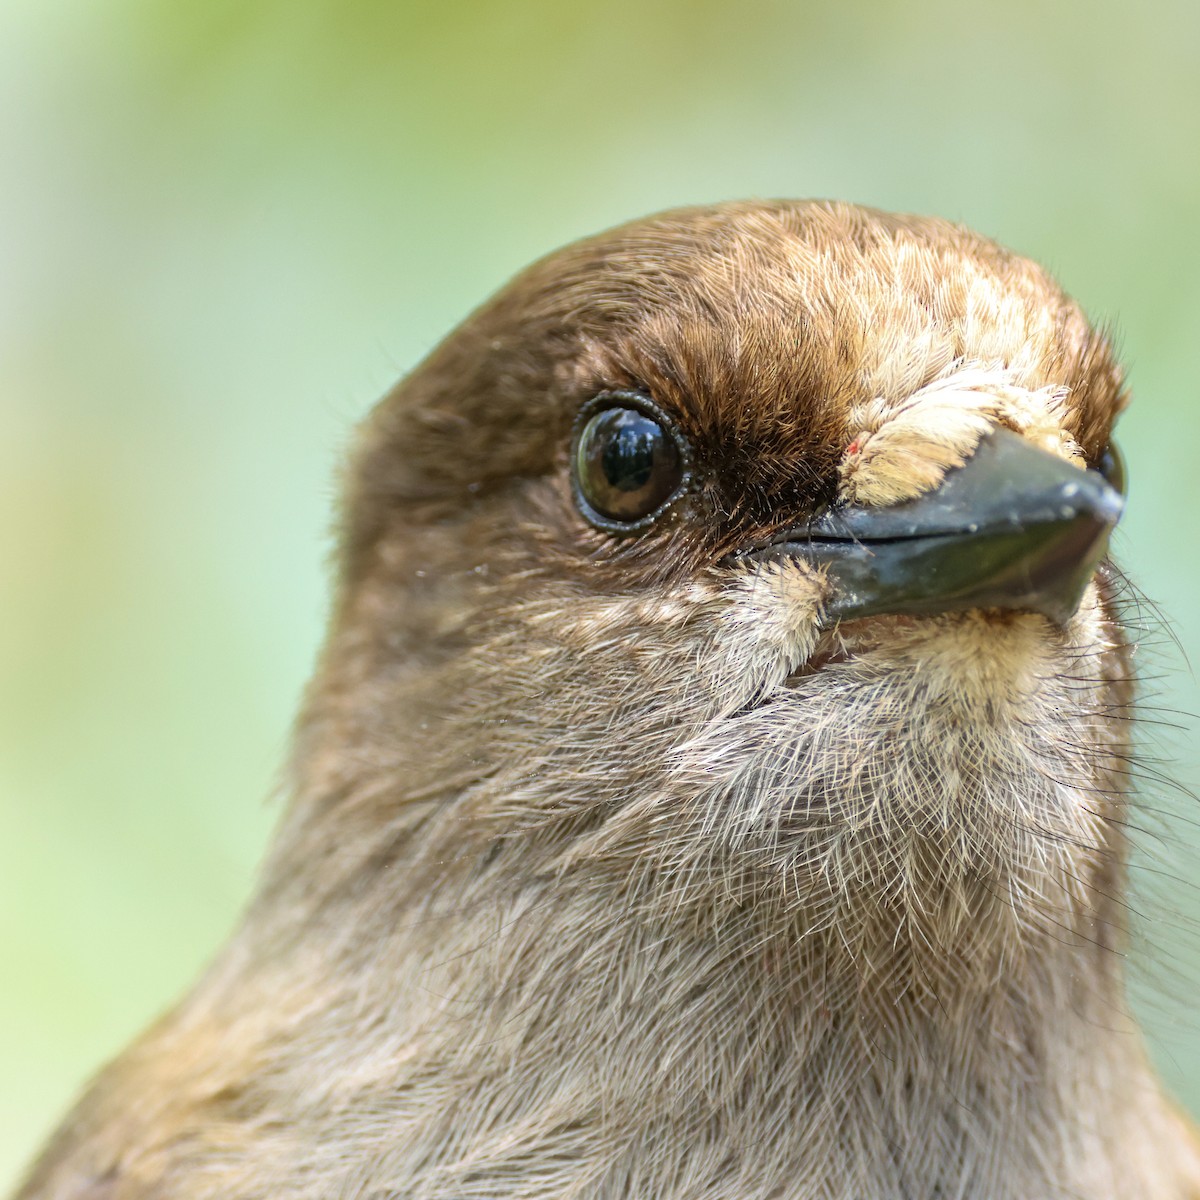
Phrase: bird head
(749,558)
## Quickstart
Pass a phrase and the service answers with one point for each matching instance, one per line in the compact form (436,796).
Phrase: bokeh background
(226,226)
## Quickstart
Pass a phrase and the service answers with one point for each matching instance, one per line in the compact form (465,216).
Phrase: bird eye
(1112,467)
(628,462)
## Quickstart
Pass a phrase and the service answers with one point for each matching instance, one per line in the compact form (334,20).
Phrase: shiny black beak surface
(1015,527)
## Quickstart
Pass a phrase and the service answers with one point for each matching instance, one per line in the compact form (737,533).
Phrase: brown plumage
(614,866)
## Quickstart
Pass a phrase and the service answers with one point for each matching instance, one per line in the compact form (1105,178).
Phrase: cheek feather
(771,623)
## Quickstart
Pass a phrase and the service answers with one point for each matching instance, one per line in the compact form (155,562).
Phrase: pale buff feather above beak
(904,448)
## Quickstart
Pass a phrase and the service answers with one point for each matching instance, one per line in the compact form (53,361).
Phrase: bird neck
(683,1051)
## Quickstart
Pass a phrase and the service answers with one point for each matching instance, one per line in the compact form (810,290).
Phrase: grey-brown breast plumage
(714,781)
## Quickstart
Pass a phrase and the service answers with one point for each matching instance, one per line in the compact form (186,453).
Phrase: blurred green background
(226,226)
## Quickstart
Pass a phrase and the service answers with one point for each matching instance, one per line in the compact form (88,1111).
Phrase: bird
(715,782)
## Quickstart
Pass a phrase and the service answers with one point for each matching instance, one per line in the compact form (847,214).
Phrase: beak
(1013,528)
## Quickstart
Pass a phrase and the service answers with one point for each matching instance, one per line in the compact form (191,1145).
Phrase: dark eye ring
(1112,467)
(628,462)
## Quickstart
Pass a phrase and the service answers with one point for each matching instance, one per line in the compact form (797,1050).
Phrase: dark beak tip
(1112,507)
(1092,496)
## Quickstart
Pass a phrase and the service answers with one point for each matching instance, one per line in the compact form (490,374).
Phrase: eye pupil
(627,465)
(627,451)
